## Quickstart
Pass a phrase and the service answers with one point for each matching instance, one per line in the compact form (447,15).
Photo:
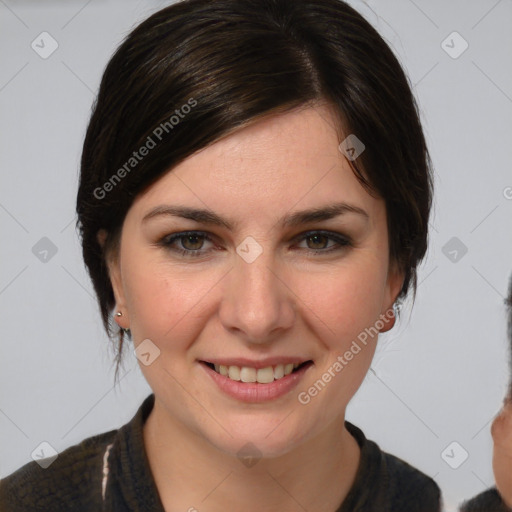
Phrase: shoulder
(65,484)
(488,501)
(389,483)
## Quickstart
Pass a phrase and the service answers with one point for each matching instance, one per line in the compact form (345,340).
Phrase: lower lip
(254,392)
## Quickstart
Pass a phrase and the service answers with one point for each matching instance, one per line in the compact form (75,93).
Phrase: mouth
(250,374)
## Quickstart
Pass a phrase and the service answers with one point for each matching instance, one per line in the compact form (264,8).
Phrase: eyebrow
(204,216)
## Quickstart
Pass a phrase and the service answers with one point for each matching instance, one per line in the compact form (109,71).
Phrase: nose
(258,304)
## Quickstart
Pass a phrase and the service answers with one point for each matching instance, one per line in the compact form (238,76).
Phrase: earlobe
(114,272)
(121,315)
(394,284)
(388,318)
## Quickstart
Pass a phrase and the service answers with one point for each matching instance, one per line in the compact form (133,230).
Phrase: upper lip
(260,363)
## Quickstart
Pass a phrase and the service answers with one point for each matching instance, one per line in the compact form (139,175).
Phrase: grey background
(438,377)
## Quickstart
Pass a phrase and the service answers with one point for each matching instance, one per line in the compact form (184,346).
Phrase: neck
(191,474)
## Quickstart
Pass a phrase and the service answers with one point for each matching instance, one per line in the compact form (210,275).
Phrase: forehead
(276,163)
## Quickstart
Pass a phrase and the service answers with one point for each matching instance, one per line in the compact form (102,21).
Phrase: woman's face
(258,284)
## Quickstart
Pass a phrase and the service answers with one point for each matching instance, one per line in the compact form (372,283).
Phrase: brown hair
(200,69)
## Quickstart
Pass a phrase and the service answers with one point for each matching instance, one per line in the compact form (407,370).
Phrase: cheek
(163,300)
(347,300)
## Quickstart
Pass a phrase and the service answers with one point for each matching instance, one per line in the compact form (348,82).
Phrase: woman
(254,198)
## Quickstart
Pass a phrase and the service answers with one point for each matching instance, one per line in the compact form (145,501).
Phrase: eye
(191,243)
(318,241)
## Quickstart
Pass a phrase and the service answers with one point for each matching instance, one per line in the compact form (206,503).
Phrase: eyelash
(168,241)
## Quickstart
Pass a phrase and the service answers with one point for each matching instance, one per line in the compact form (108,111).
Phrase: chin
(260,438)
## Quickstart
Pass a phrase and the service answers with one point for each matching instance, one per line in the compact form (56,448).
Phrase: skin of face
(502,455)
(290,301)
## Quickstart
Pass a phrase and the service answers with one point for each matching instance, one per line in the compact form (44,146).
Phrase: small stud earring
(119,313)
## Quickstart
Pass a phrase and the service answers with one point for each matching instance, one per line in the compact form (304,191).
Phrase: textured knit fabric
(111,472)
(488,501)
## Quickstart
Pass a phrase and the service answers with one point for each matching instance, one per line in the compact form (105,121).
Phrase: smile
(261,375)
(256,381)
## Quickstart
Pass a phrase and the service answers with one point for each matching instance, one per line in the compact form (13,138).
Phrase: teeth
(247,374)
(278,371)
(265,375)
(261,375)
(234,373)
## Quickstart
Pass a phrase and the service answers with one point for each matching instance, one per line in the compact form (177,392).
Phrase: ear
(112,261)
(394,283)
